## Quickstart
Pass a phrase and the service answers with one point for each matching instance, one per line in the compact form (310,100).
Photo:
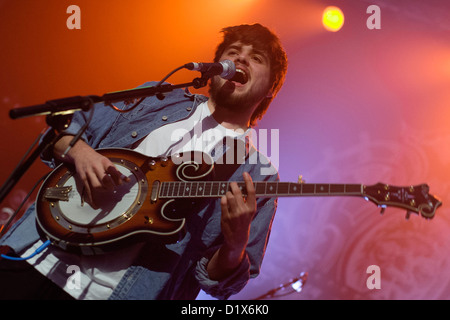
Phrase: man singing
(225,239)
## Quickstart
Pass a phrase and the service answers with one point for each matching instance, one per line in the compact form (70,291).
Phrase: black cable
(80,132)
(142,99)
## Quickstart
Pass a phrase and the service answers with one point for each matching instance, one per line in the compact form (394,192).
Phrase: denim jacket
(172,271)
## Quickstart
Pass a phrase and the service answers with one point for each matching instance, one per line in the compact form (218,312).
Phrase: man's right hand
(96,172)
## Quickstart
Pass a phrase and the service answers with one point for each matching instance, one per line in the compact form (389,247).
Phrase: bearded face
(225,95)
(234,95)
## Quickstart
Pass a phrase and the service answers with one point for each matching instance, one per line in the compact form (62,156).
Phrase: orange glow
(333,19)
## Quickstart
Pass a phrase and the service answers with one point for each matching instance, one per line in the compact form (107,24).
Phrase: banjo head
(69,208)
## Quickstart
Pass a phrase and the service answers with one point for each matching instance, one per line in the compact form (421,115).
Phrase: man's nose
(242,58)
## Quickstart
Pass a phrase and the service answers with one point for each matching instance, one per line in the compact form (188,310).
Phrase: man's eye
(257,59)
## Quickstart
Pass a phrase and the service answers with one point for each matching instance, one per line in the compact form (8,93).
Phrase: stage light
(333,18)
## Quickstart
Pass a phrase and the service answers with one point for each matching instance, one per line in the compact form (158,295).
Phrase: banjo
(153,203)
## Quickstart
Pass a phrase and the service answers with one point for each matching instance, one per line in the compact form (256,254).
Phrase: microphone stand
(59,114)
(72,104)
(295,284)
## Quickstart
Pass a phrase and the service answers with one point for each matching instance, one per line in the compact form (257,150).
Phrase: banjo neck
(263,189)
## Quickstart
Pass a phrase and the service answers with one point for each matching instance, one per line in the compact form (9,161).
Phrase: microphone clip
(201,82)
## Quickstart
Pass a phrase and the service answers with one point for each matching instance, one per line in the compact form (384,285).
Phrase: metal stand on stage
(294,285)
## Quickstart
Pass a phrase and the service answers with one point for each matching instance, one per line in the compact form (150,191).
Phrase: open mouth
(240,76)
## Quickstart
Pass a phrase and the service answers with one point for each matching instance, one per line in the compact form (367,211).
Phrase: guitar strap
(237,151)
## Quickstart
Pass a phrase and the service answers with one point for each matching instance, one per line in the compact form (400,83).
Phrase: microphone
(225,69)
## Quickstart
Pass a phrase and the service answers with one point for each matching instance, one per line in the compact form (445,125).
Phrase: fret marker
(187,188)
(200,188)
(295,188)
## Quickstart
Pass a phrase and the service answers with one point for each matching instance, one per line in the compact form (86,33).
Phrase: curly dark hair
(262,39)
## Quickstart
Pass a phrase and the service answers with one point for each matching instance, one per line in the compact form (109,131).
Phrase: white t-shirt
(95,277)
(200,132)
